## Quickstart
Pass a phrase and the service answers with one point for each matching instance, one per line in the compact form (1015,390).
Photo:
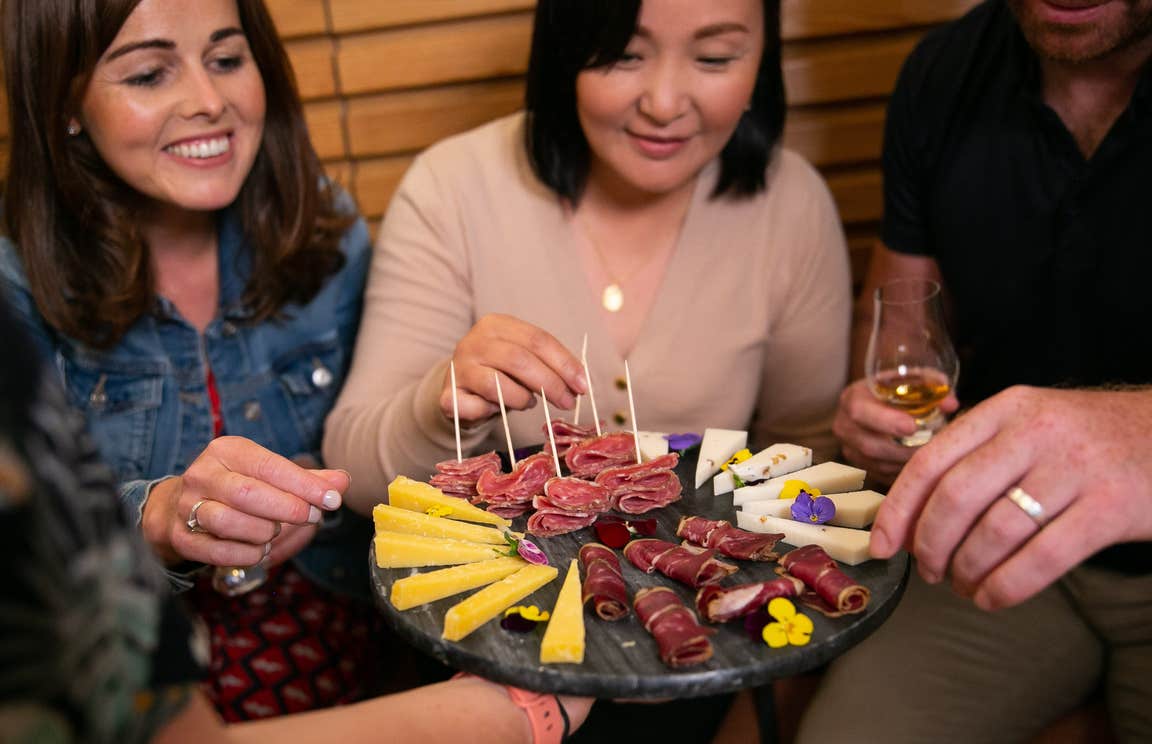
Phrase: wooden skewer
(455,410)
(583,355)
(632,410)
(551,436)
(504,418)
(591,395)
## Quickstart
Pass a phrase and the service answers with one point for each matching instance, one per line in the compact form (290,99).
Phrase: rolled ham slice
(640,488)
(587,458)
(566,434)
(833,592)
(719,604)
(682,640)
(694,567)
(728,540)
(550,520)
(603,582)
(459,478)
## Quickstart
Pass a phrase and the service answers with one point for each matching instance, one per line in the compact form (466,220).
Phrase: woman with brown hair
(172,245)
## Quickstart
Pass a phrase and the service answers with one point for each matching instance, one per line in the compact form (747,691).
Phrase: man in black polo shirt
(1018,162)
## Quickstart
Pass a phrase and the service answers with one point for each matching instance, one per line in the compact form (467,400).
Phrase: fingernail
(929,576)
(332,500)
(276,530)
(878,544)
(267,549)
(313,515)
(582,381)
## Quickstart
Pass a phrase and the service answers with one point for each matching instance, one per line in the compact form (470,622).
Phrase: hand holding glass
(911,363)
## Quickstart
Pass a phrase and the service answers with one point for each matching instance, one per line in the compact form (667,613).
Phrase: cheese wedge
(564,636)
(717,446)
(399,550)
(845,545)
(829,477)
(723,482)
(405,493)
(469,614)
(853,509)
(391,519)
(779,459)
(419,589)
(652,444)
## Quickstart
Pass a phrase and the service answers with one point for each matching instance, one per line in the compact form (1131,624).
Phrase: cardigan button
(252,411)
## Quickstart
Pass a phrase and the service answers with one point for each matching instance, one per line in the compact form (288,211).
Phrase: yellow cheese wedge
(412,591)
(469,614)
(398,550)
(405,493)
(564,637)
(391,519)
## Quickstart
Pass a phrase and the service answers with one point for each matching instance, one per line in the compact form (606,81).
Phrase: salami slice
(577,495)
(459,478)
(719,604)
(518,487)
(550,520)
(730,541)
(640,488)
(604,582)
(566,434)
(696,568)
(835,593)
(587,458)
(682,640)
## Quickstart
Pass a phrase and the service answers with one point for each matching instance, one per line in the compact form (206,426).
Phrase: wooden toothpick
(504,418)
(455,410)
(551,436)
(591,395)
(632,410)
(583,355)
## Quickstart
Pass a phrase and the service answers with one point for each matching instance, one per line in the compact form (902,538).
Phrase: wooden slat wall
(383,79)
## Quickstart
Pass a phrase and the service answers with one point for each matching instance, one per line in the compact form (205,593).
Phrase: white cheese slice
(779,459)
(723,482)
(853,509)
(844,544)
(716,448)
(652,444)
(829,477)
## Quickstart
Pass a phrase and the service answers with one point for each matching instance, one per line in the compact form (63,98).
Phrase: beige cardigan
(749,327)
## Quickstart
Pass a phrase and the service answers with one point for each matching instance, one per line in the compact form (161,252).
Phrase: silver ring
(1030,506)
(193,522)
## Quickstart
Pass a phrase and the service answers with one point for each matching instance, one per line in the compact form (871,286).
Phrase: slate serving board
(621,659)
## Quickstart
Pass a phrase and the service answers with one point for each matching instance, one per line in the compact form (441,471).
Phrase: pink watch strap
(546,716)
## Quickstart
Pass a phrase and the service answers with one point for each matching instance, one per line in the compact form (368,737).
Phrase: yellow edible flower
(439,511)
(790,626)
(740,456)
(792,489)
(528,612)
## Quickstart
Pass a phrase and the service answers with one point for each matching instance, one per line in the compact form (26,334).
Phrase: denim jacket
(146,399)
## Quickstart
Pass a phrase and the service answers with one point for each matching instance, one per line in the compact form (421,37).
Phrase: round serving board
(621,659)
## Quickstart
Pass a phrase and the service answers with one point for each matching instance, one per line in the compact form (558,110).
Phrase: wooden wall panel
(383,79)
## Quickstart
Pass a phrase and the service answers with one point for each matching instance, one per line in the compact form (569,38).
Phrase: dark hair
(570,36)
(74,221)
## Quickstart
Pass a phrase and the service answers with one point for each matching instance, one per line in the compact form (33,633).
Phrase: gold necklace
(612,296)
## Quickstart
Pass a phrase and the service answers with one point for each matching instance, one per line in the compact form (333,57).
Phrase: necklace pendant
(612,298)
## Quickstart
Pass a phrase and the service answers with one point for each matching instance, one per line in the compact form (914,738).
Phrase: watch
(546,715)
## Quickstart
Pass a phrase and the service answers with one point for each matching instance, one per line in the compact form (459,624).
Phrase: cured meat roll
(719,604)
(682,640)
(694,567)
(587,458)
(510,494)
(577,495)
(550,519)
(834,593)
(603,582)
(566,434)
(459,478)
(640,488)
(730,541)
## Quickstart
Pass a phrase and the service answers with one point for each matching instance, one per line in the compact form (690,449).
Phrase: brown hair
(73,220)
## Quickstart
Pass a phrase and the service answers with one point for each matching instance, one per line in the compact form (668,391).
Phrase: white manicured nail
(332,500)
(313,515)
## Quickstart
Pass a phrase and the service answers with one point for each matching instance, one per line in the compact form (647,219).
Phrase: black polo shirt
(1046,255)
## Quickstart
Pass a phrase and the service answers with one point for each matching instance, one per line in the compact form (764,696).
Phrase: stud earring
(73,129)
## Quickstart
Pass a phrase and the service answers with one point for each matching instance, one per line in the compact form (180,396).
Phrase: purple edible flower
(754,623)
(529,552)
(815,510)
(681,442)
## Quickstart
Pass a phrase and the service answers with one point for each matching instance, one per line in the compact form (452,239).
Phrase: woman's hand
(527,359)
(867,429)
(253,504)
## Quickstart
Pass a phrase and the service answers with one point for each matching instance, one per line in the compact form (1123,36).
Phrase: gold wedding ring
(193,522)
(1030,506)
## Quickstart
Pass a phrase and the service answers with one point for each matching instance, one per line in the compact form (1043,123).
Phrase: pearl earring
(73,129)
